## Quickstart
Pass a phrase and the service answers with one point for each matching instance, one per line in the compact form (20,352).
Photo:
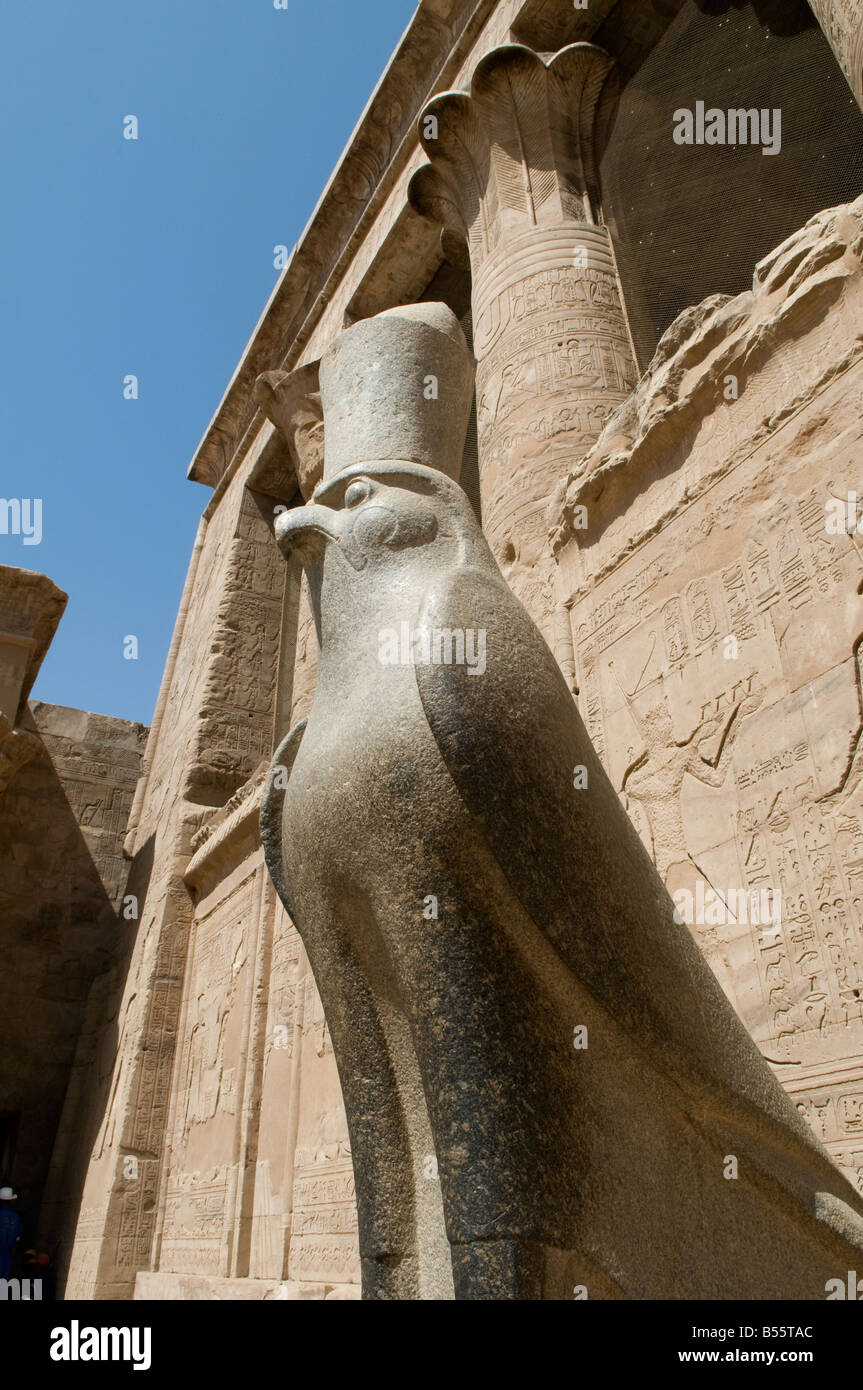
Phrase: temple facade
(647,217)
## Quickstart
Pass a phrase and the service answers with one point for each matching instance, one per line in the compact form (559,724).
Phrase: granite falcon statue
(547,1090)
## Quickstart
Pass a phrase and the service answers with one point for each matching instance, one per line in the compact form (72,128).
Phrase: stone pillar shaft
(513,180)
(553,358)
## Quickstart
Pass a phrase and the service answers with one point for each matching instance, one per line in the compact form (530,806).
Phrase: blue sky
(155,258)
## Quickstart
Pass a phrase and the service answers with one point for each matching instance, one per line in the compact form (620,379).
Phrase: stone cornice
(432,49)
(31,606)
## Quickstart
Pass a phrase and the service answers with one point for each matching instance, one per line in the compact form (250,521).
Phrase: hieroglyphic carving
(195,1222)
(279,1101)
(219,955)
(234,731)
(324,1242)
(688,712)
(324,1239)
(305,658)
(835,1110)
(286,987)
(209,1082)
(553,362)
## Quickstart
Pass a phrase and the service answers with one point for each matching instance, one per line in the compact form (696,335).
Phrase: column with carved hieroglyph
(513,180)
(842,22)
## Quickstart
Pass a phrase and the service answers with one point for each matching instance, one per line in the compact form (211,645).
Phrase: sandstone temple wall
(213,727)
(716,618)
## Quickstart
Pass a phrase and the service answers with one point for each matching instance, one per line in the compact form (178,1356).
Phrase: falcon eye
(357,492)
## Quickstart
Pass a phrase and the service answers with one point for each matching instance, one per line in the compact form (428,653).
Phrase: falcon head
(372,514)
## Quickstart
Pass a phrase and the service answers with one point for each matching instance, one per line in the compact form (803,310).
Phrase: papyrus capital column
(842,22)
(513,180)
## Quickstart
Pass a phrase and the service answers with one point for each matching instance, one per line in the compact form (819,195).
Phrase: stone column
(842,22)
(513,180)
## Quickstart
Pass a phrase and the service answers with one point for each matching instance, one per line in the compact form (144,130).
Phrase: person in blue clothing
(10,1230)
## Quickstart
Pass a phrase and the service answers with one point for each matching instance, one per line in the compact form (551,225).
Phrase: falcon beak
(307,528)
